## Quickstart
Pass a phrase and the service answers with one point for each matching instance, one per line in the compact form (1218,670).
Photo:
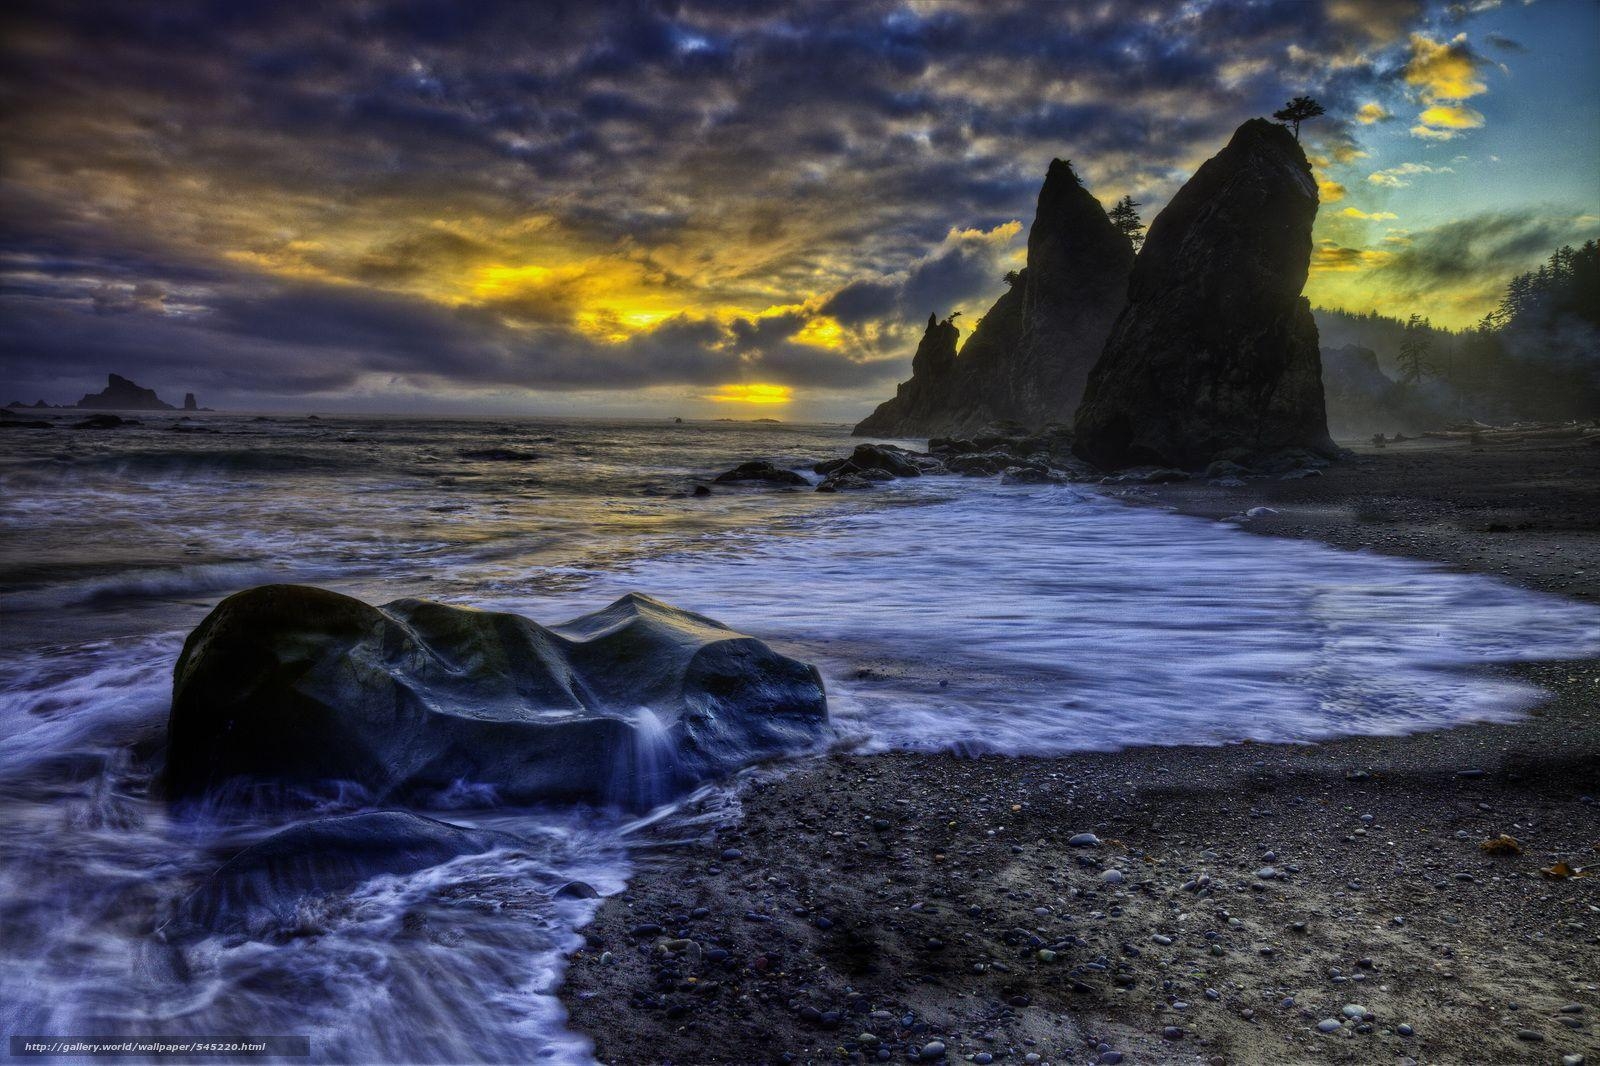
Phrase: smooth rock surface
(287,685)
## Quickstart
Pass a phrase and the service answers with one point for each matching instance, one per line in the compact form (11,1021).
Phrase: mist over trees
(1535,357)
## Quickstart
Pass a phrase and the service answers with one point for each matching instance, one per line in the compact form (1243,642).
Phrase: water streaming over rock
(942,612)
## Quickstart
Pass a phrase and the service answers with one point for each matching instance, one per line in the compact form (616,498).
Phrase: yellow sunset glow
(821,332)
(754,394)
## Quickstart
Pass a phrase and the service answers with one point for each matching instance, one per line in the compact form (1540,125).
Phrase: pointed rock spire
(1028,357)
(1215,354)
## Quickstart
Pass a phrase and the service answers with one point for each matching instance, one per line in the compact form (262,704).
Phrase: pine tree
(1125,216)
(1298,110)
(1416,350)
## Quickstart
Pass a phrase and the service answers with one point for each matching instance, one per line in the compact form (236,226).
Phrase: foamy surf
(944,612)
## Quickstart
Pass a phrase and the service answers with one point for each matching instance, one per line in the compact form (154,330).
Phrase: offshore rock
(1216,351)
(1028,359)
(289,686)
(120,394)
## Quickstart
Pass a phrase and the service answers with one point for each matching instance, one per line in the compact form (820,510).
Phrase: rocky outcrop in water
(1028,358)
(190,403)
(295,686)
(763,471)
(1215,355)
(120,394)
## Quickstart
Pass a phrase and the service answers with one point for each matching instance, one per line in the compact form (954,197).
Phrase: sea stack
(1028,358)
(1215,355)
(120,394)
(190,403)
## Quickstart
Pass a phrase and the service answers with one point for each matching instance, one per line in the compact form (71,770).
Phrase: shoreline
(913,907)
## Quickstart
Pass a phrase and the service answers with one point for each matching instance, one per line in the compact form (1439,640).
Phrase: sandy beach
(1249,903)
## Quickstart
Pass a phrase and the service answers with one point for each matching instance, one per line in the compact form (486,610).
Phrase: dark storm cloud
(197,171)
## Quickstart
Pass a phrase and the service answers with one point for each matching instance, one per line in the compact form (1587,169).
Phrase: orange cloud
(1369,113)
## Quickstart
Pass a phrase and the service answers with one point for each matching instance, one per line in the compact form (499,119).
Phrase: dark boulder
(890,460)
(105,422)
(1031,475)
(1216,349)
(259,892)
(762,470)
(291,686)
(1027,360)
(980,464)
(846,482)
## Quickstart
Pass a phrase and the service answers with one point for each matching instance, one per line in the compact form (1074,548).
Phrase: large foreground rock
(1216,352)
(290,685)
(1028,359)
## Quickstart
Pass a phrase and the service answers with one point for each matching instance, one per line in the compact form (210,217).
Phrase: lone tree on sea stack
(1125,216)
(1298,110)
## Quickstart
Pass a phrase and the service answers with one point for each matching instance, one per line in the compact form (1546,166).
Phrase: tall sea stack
(1216,352)
(1029,357)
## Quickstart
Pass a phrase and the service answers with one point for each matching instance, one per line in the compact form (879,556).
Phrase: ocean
(943,612)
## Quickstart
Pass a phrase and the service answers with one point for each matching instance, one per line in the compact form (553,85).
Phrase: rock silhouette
(292,685)
(1215,355)
(120,394)
(1028,359)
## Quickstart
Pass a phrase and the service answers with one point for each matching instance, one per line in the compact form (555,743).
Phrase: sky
(708,209)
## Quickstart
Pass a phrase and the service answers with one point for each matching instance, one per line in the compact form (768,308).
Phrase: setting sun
(757,394)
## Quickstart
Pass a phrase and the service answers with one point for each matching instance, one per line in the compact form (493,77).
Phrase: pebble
(732,853)
(1530,1035)
(1267,873)
(1112,877)
(933,1049)
(1109,1058)
(1084,840)
(1162,940)
(1572,1060)
(1329,1025)
(983,1058)
(1172,1032)
(1572,1008)
(1354,1010)
(1405,1030)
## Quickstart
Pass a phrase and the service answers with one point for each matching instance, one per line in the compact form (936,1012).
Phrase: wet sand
(1232,900)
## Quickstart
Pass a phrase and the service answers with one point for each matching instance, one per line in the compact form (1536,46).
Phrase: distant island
(120,394)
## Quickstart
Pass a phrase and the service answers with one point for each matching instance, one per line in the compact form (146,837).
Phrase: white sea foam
(943,612)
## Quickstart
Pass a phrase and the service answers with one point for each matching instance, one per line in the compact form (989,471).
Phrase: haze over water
(942,611)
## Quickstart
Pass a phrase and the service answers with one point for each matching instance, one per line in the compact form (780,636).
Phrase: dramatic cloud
(722,198)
